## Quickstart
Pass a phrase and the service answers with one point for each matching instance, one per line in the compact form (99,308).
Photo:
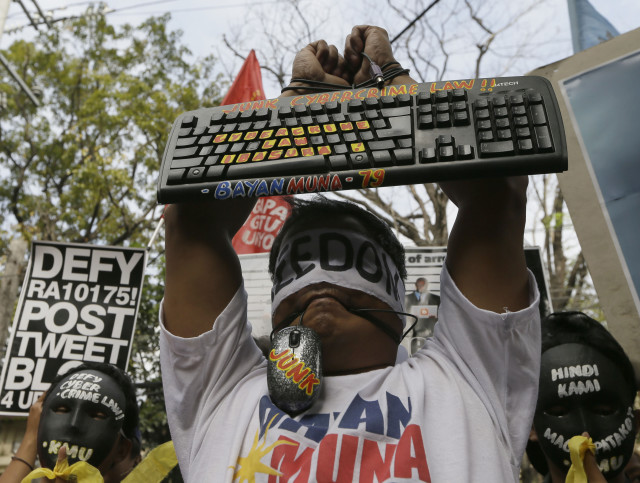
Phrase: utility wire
(414,21)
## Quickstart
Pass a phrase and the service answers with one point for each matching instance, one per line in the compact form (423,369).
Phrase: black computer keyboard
(365,138)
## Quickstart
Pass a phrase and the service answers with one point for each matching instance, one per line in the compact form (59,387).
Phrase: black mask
(582,390)
(85,412)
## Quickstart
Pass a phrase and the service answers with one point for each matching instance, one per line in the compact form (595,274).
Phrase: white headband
(341,257)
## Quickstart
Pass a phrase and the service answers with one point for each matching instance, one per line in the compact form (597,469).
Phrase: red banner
(267,217)
(262,226)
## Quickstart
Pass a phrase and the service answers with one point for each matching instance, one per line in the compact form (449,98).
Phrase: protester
(89,414)
(23,462)
(587,385)
(460,410)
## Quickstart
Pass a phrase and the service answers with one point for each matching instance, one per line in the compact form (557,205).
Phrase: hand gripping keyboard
(366,138)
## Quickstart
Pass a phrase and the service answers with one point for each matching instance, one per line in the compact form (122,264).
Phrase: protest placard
(77,303)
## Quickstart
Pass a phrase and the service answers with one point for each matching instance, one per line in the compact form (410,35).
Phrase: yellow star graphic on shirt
(248,466)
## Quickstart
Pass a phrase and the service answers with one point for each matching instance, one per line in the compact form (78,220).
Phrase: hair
(574,327)
(331,209)
(131,416)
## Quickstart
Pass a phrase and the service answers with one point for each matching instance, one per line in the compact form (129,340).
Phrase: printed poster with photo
(423,288)
(78,303)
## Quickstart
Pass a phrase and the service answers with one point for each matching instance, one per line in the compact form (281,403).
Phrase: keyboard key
(428,155)
(186,162)
(182,142)
(499,101)
(543,138)
(355,105)
(461,118)
(333,139)
(211,160)
(482,114)
(247,114)
(534,97)
(518,110)
(229,127)
(445,139)
(424,98)
(214,172)
(366,135)
(424,122)
(185,152)
(464,151)
(520,121)
(284,111)
(485,135)
(350,137)
(504,134)
(341,148)
(395,111)
(355,116)
(332,107)
(189,121)
(523,132)
(502,123)
(443,120)
(280,167)
(404,156)
(499,148)
(404,99)
(459,94)
(262,114)
(379,124)
(378,145)
(442,107)
(537,114)
(338,162)
(381,159)
(388,101)
(405,143)
(442,96)
(483,125)
(399,126)
(175,176)
(525,146)
(500,112)
(445,153)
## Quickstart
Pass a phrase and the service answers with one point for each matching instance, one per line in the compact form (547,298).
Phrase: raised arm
(485,254)
(202,269)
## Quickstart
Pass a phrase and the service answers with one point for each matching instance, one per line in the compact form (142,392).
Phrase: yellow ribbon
(578,446)
(155,466)
(83,471)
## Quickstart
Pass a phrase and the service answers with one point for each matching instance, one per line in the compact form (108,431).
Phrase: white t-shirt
(458,411)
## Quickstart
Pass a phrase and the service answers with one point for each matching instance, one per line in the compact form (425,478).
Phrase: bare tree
(455,40)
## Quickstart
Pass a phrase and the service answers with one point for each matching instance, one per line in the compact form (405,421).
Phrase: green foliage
(83,166)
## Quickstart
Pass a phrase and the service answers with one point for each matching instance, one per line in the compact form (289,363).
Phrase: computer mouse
(294,368)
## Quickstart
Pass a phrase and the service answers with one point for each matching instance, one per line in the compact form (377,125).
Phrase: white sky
(205,21)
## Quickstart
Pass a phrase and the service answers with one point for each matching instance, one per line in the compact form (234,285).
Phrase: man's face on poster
(85,413)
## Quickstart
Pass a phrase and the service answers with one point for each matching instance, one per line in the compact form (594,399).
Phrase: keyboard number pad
(511,124)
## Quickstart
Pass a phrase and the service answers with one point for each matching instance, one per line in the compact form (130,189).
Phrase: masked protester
(92,412)
(587,384)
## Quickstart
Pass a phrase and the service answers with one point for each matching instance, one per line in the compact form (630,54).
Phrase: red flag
(248,84)
(266,219)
